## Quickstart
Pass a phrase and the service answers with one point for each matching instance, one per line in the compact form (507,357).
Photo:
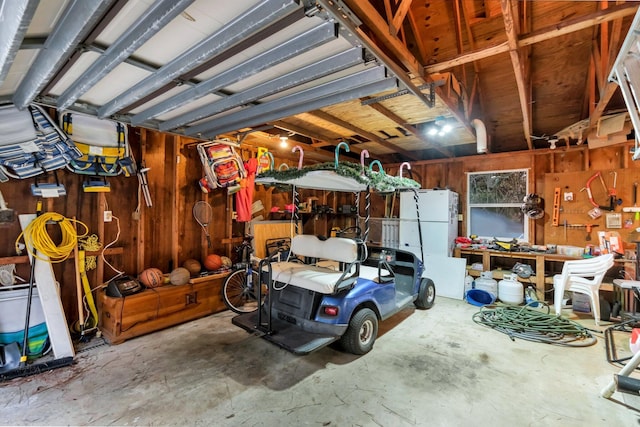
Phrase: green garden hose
(533,325)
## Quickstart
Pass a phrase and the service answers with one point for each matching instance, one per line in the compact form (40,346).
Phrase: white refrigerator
(438,214)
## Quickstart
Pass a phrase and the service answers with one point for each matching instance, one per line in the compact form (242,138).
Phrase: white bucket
(510,290)
(487,283)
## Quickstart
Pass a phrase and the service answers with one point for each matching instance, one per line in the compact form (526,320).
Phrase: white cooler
(13,309)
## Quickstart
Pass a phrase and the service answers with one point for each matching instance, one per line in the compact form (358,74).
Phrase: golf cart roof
(346,177)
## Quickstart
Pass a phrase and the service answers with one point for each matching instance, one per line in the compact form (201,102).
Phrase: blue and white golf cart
(336,288)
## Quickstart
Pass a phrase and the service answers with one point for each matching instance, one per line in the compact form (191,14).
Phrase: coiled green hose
(533,325)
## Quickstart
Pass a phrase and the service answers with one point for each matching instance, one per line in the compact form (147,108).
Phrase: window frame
(525,223)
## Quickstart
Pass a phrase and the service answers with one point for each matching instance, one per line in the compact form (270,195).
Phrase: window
(493,204)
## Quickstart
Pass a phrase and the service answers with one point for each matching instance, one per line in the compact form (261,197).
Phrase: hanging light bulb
(284,141)
(440,127)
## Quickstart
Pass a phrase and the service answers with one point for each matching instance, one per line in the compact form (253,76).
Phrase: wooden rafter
(519,67)
(290,127)
(614,41)
(476,91)
(411,129)
(606,89)
(319,139)
(604,40)
(370,136)
(399,16)
(599,70)
(266,139)
(458,27)
(547,33)
(418,40)
(379,26)
(349,126)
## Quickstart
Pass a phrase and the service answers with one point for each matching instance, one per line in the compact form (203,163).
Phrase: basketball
(226,262)
(193,265)
(212,262)
(179,276)
(151,278)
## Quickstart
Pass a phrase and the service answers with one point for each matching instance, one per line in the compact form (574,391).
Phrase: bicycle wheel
(240,296)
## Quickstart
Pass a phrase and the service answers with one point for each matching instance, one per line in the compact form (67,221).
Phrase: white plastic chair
(583,276)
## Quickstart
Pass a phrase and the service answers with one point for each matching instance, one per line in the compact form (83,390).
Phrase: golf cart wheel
(426,294)
(361,333)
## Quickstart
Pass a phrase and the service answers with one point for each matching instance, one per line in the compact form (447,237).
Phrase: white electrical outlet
(108,216)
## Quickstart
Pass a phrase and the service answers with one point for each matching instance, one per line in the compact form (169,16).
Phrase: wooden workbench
(542,267)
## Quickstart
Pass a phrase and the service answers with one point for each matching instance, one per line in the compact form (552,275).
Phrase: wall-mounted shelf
(24,259)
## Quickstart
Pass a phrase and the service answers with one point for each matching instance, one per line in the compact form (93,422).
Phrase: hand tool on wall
(635,200)
(590,194)
(143,183)
(588,227)
(613,192)
(556,206)
(635,209)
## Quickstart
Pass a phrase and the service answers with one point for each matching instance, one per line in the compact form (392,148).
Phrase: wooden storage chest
(159,308)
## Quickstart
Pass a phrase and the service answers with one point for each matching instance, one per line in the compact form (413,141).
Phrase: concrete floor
(435,368)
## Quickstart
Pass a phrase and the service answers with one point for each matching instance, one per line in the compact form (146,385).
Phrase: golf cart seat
(376,274)
(330,265)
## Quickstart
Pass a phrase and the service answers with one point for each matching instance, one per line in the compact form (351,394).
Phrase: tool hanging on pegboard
(635,207)
(613,192)
(588,228)
(556,207)
(596,212)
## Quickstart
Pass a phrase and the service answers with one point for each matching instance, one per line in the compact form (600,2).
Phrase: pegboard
(575,207)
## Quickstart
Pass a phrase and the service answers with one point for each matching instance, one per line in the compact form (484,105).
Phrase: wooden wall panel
(157,219)
(167,233)
(191,242)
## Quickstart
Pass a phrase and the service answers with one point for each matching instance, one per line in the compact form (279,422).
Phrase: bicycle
(240,288)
